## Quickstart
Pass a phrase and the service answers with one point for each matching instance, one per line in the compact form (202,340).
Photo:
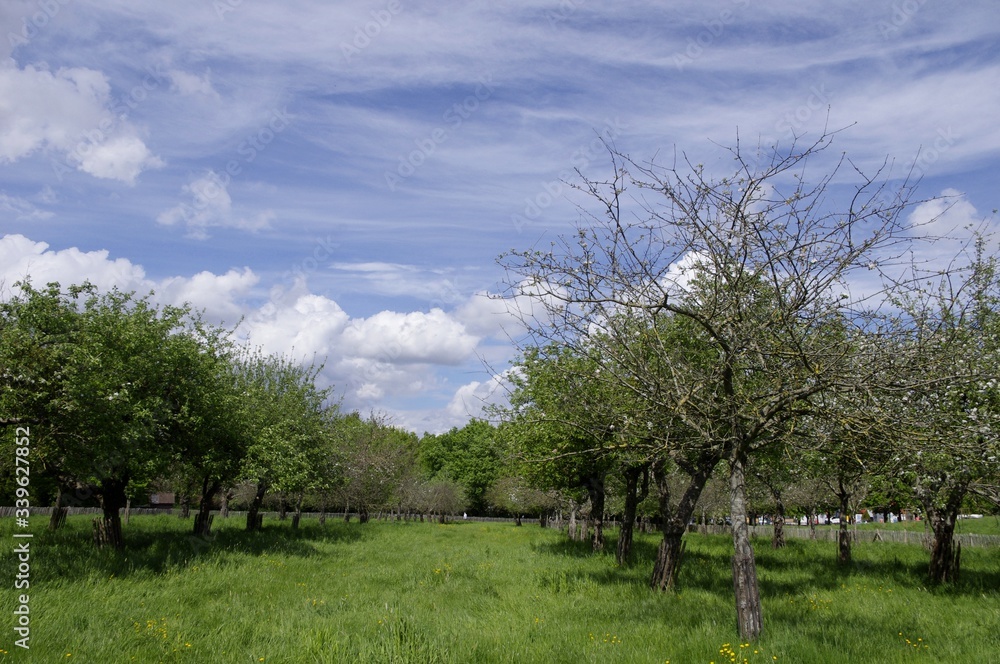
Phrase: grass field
(475,592)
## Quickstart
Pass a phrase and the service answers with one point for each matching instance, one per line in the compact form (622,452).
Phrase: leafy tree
(468,456)
(114,371)
(563,426)
(949,401)
(288,427)
(376,463)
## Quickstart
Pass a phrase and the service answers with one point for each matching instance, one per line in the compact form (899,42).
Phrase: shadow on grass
(156,545)
(814,564)
(800,565)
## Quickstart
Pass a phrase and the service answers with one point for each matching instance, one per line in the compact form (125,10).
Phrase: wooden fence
(864,533)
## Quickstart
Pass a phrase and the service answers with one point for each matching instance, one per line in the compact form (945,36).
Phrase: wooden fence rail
(865,533)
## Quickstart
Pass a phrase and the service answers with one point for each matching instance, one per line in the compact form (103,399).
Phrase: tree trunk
(668,559)
(58,517)
(749,618)
(227,495)
(673,521)
(297,517)
(843,535)
(595,489)
(363,515)
(282,507)
(633,496)
(185,506)
(778,536)
(571,529)
(254,518)
(543,519)
(812,523)
(945,555)
(203,520)
(108,531)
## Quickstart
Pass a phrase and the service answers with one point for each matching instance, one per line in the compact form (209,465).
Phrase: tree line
(123,398)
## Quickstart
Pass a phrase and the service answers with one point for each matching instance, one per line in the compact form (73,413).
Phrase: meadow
(470,592)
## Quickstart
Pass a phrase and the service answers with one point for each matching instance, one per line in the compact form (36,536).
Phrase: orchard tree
(563,425)
(377,460)
(288,428)
(115,372)
(949,404)
(759,260)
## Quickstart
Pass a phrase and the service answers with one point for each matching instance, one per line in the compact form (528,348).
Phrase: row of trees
(122,396)
(766,324)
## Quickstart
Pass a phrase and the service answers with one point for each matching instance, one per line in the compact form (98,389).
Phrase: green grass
(472,592)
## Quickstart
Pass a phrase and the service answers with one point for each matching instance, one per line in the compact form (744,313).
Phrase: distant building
(161,500)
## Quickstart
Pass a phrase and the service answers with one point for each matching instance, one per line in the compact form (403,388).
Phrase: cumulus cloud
(22,258)
(220,296)
(474,398)
(432,337)
(947,223)
(211,205)
(70,113)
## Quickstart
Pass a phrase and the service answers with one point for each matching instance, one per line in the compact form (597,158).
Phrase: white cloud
(118,158)
(947,224)
(433,337)
(472,399)
(219,296)
(211,205)
(189,84)
(21,258)
(69,112)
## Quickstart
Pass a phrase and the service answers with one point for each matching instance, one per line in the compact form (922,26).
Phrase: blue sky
(342,176)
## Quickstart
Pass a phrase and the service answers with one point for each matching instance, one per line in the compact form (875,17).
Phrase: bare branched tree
(761,267)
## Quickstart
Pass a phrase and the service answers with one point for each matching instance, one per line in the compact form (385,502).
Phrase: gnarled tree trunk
(203,520)
(254,517)
(633,496)
(108,530)
(674,521)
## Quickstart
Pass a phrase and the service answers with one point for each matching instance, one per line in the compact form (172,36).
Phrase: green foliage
(469,456)
(118,389)
(288,424)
